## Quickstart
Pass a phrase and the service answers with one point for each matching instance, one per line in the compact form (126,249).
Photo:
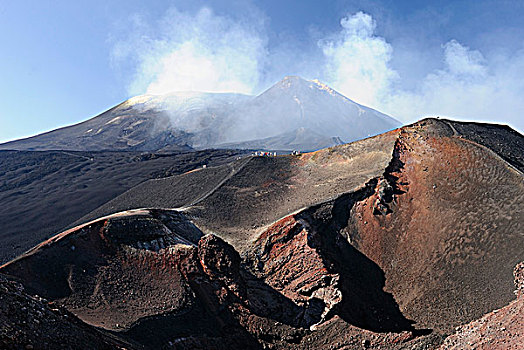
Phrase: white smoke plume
(204,51)
(357,61)
(468,86)
(194,52)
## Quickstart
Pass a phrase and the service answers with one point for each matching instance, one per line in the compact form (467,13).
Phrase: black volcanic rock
(31,322)
(390,242)
(114,130)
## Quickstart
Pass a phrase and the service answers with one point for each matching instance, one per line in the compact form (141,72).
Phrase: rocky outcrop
(132,274)
(307,257)
(428,238)
(441,224)
(518,272)
(288,257)
(103,271)
(141,270)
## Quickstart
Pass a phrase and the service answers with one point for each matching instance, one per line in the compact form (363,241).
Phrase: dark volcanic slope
(152,277)
(457,210)
(301,139)
(499,329)
(120,128)
(373,244)
(501,139)
(169,192)
(185,120)
(30,322)
(42,193)
(85,266)
(262,191)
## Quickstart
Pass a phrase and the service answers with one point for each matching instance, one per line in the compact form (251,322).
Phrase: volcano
(183,121)
(410,239)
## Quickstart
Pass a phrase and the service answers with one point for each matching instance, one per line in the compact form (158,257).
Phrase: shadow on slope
(307,257)
(364,304)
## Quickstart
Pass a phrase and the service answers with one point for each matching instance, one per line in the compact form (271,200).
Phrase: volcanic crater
(391,242)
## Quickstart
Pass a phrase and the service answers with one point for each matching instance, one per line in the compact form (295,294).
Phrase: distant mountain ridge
(198,120)
(302,139)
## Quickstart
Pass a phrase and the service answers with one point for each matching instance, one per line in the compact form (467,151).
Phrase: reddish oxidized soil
(334,254)
(452,232)
(288,258)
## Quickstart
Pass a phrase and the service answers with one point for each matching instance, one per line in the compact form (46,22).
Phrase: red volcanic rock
(132,274)
(287,257)
(393,258)
(217,257)
(103,271)
(220,268)
(447,231)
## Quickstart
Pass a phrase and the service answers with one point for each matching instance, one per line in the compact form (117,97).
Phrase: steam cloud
(358,64)
(208,52)
(201,52)
(469,87)
(357,61)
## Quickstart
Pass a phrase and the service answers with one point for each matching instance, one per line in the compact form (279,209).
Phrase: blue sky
(62,62)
